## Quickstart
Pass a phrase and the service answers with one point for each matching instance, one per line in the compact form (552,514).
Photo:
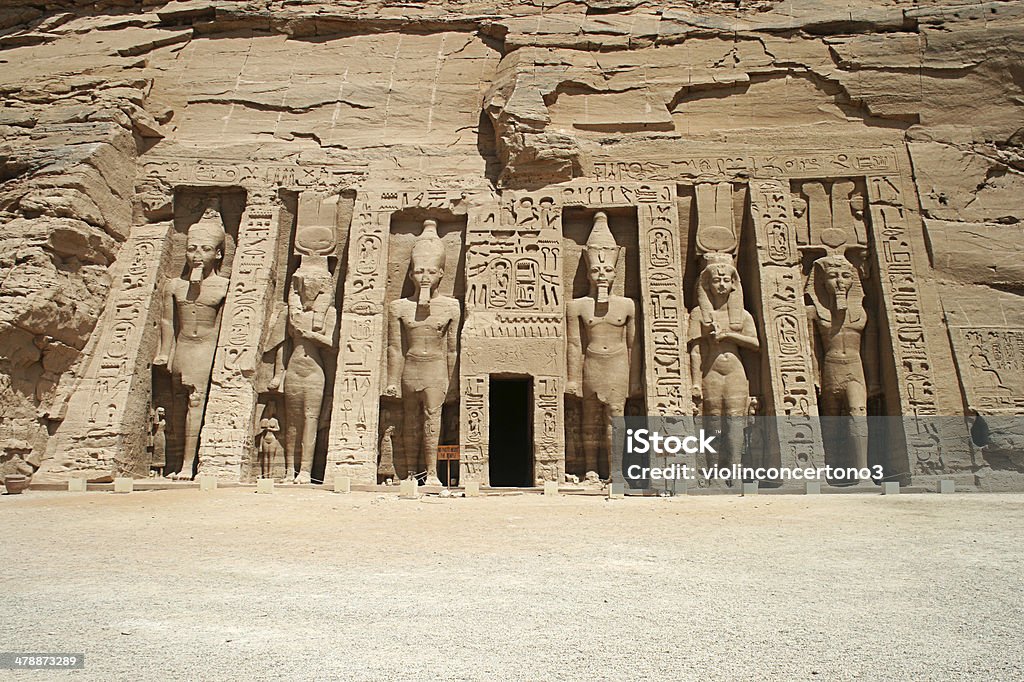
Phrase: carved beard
(423,298)
(196,276)
(602,293)
(840,297)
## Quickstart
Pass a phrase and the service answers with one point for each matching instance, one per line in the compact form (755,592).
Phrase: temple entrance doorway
(511,432)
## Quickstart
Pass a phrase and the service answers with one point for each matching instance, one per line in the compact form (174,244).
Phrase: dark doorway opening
(511,432)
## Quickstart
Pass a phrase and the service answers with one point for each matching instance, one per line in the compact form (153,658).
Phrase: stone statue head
(602,256)
(311,283)
(427,262)
(204,247)
(834,285)
(720,280)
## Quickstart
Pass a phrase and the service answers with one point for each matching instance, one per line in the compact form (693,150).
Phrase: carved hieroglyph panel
(226,439)
(991,363)
(226,173)
(786,336)
(902,299)
(514,324)
(106,422)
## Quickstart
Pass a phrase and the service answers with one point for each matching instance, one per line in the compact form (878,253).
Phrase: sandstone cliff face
(485,94)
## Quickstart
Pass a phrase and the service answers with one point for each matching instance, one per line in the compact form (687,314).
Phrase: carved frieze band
(792,164)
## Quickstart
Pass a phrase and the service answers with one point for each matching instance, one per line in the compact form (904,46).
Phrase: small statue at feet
(422,350)
(190,325)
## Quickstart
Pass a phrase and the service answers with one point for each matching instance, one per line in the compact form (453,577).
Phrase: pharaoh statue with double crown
(423,334)
(602,361)
(190,325)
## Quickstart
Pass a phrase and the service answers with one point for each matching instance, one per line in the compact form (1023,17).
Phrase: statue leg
(594,434)
(411,426)
(294,417)
(857,399)
(193,422)
(733,422)
(433,401)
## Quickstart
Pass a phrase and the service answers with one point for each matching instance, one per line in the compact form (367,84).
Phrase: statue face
(601,274)
(839,281)
(202,251)
(310,288)
(426,275)
(721,281)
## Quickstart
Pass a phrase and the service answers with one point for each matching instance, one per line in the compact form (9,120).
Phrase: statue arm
(693,338)
(574,353)
(396,361)
(747,338)
(812,315)
(635,384)
(453,339)
(326,338)
(165,347)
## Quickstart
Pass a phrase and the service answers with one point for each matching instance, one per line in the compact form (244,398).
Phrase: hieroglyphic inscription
(789,164)
(991,360)
(226,440)
(179,171)
(665,364)
(473,431)
(107,415)
(548,430)
(789,349)
(901,295)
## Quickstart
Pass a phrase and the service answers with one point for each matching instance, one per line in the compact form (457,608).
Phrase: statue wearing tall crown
(602,361)
(190,325)
(423,334)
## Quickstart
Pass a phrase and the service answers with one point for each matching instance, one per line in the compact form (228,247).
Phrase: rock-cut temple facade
(303,240)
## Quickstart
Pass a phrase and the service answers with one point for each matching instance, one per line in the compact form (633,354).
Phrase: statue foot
(592,479)
(303,477)
(433,480)
(181,476)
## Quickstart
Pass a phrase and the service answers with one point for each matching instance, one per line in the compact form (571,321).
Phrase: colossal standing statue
(312,319)
(601,360)
(719,327)
(422,349)
(190,324)
(837,311)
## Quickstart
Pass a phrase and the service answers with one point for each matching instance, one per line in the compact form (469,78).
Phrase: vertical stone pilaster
(787,343)
(901,295)
(666,363)
(352,440)
(106,423)
(226,441)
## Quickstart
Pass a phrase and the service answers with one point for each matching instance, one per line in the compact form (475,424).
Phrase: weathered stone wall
(475,97)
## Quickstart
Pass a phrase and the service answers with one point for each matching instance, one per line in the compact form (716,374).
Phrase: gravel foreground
(307,584)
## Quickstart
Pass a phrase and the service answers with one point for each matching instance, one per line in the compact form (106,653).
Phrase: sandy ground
(307,584)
